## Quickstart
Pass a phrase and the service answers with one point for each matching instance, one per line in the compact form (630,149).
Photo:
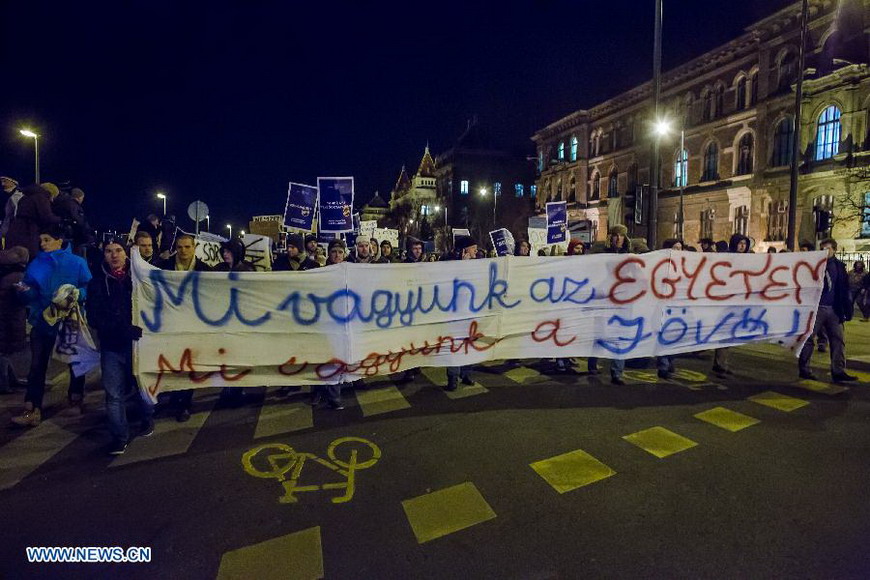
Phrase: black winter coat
(843,305)
(110,310)
(34,213)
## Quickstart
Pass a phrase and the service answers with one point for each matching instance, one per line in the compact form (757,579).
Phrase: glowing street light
(31,135)
(163,197)
(207,223)
(662,128)
(229,227)
(242,233)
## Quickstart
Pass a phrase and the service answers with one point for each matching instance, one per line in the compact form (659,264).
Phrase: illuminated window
(573,148)
(519,189)
(496,187)
(680,168)
(561,150)
(828,134)
(534,190)
(463,187)
(865,218)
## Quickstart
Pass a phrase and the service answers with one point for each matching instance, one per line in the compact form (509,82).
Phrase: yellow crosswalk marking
(283,417)
(571,470)
(778,401)
(727,419)
(298,556)
(381,400)
(522,375)
(660,441)
(446,511)
(820,387)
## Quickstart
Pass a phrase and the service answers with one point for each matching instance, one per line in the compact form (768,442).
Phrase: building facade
(733,111)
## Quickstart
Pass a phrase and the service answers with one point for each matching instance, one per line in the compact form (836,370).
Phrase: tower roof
(377,201)
(427,165)
(403,183)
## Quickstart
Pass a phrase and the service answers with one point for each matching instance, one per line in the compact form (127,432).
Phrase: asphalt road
(527,474)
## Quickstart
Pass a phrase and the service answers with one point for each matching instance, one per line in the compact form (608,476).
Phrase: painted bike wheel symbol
(281,459)
(352,451)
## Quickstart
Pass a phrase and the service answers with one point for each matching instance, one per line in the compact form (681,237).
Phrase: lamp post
(30,134)
(163,197)
(229,227)
(652,233)
(663,128)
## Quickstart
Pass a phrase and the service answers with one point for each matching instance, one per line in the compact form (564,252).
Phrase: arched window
(741,94)
(574,148)
(720,101)
(596,187)
(711,163)
(753,88)
(783,143)
(681,166)
(561,150)
(744,155)
(613,184)
(708,106)
(828,133)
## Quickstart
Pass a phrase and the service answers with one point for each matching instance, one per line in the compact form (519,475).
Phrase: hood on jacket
(735,239)
(236,248)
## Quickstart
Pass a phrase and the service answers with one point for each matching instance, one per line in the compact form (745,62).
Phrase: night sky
(228,101)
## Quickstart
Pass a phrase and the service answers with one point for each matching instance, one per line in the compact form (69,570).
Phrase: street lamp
(241,233)
(30,134)
(663,128)
(163,197)
(207,223)
(229,227)
(483,193)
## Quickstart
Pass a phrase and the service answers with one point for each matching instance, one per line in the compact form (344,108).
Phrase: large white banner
(343,322)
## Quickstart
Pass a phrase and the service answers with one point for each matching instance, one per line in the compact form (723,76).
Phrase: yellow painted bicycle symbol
(279,460)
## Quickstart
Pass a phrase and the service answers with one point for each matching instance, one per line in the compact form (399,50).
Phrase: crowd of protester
(52,271)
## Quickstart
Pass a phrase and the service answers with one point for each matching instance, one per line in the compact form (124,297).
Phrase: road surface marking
(571,470)
(521,375)
(727,419)
(660,441)
(24,454)
(446,511)
(778,401)
(381,400)
(283,417)
(295,556)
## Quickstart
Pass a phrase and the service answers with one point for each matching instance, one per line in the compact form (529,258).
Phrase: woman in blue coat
(53,267)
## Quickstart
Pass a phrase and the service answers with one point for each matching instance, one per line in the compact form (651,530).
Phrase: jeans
(119,384)
(332,393)
(827,321)
(617,366)
(41,345)
(665,364)
(458,373)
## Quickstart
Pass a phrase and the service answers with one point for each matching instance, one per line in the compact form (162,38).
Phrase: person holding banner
(184,259)
(52,268)
(617,243)
(110,313)
(466,249)
(665,363)
(145,242)
(294,259)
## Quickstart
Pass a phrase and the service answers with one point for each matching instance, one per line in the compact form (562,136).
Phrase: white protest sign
(382,234)
(347,321)
(208,248)
(258,251)
(367,228)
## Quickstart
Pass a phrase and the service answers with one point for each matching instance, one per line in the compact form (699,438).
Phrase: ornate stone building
(735,106)
(376,209)
(413,202)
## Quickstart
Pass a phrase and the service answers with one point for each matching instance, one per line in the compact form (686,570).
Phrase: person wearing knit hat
(295,259)
(310,245)
(465,248)
(337,250)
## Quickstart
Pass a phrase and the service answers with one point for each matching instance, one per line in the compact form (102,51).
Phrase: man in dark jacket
(10,188)
(617,243)
(68,207)
(184,260)
(110,313)
(415,251)
(233,253)
(465,249)
(835,308)
(34,215)
(295,259)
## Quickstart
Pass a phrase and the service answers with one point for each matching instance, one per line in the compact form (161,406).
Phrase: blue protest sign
(502,241)
(557,221)
(300,206)
(335,204)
